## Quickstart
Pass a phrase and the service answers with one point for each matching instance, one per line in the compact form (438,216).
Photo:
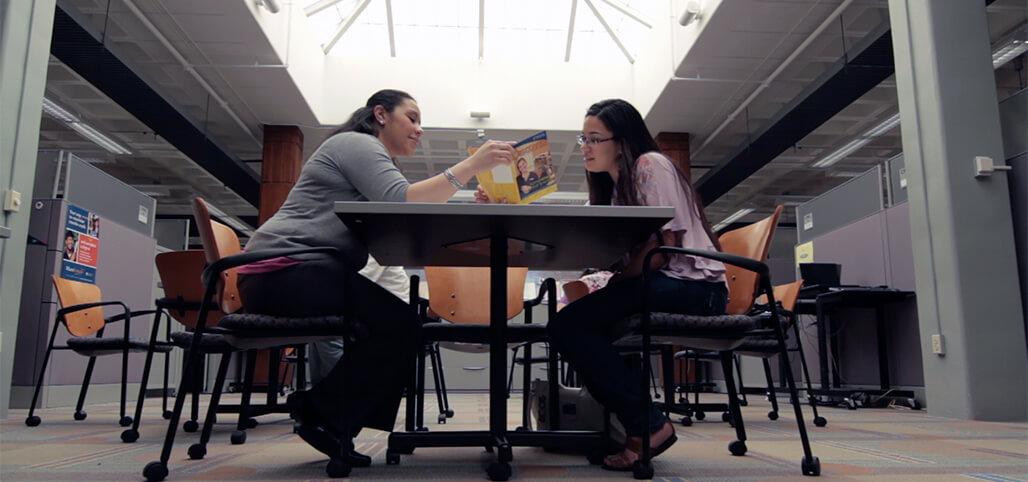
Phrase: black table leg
(883,352)
(822,344)
(500,470)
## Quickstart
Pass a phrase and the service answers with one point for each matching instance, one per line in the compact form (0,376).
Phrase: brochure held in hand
(530,177)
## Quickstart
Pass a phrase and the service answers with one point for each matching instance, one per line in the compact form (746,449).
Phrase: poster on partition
(80,245)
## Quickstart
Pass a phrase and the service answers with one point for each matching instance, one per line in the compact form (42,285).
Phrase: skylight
(534,30)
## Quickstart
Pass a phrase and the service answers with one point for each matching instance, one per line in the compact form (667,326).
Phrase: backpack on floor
(578,410)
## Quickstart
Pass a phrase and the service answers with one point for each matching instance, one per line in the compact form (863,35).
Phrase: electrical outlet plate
(12,201)
(937,345)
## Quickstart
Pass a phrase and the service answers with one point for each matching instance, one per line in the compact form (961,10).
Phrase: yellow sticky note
(805,253)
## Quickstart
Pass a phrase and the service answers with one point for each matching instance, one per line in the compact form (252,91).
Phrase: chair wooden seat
(90,346)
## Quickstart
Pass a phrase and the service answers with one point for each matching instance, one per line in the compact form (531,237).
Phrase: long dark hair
(633,140)
(363,119)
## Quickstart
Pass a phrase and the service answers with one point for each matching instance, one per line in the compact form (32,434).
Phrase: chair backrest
(753,242)
(219,241)
(786,294)
(69,293)
(180,273)
(461,295)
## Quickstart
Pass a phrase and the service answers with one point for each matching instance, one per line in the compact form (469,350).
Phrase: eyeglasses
(582,140)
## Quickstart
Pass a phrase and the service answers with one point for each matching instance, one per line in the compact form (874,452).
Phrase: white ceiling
(725,66)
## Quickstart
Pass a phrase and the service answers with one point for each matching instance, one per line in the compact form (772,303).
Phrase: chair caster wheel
(772,415)
(441,419)
(449,413)
(700,415)
(642,471)
(166,415)
(32,421)
(337,468)
(811,467)
(499,471)
(155,471)
(190,426)
(392,458)
(252,423)
(686,422)
(238,437)
(129,436)
(850,403)
(820,421)
(743,403)
(197,451)
(737,447)
(726,417)
(521,428)
(125,421)
(81,415)
(489,448)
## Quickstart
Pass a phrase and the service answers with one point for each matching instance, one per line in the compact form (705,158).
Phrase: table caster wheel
(81,415)
(32,421)
(686,422)
(737,447)
(129,436)
(421,429)
(700,415)
(642,471)
(197,451)
(743,403)
(820,421)
(251,423)
(337,468)
(499,471)
(772,415)
(190,426)
(166,415)
(442,418)
(155,471)
(238,437)
(125,421)
(726,417)
(392,458)
(811,467)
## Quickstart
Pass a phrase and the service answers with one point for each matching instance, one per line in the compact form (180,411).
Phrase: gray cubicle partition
(113,249)
(857,198)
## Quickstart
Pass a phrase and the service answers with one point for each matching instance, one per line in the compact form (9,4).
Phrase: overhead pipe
(192,71)
(774,75)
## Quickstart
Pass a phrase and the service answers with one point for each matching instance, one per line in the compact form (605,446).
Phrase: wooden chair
(743,252)
(765,348)
(82,315)
(460,296)
(243,330)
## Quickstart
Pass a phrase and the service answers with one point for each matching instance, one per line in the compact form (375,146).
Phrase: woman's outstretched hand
(492,154)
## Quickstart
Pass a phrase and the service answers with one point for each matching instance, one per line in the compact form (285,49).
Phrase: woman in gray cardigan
(356,163)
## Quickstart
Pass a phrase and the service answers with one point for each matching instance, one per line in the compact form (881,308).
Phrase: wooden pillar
(280,167)
(675,145)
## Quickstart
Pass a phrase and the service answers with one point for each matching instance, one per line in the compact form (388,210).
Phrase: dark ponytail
(633,140)
(363,120)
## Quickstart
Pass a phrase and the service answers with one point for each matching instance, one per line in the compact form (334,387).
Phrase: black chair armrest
(547,285)
(128,316)
(736,260)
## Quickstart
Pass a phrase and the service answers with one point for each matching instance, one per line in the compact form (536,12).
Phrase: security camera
(691,13)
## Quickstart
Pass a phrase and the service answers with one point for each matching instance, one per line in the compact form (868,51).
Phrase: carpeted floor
(865,444)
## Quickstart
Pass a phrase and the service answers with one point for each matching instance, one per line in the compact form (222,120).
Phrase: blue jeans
(582,334)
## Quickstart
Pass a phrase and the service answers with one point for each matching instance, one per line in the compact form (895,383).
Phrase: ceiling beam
(481,29)
(90,59)
(610,31)
(571,30)
(389,23)
(343,27)
(853,79)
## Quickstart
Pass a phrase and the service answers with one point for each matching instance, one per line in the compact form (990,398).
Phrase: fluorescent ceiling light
(733,218)
(85,130)
(872,134)
(1007,51)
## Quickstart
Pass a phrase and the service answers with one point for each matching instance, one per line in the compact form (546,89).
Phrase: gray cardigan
(349,166)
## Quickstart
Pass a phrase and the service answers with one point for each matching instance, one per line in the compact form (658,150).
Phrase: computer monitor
(823,275)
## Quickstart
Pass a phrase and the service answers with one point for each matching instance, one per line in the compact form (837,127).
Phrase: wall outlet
(937,345)
(12,201)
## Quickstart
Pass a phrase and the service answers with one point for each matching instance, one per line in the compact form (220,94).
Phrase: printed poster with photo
(80,245)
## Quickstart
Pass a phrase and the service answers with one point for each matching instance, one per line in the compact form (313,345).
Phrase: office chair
(746,276)
(243,330)
(82,315)
(460,296)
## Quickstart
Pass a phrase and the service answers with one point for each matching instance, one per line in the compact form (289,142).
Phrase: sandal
(620,462)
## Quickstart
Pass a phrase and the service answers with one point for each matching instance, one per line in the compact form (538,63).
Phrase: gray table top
(539,235)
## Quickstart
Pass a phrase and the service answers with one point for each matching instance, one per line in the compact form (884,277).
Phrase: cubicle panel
(172,234)
(897,180)
(859,247)
(899,248)
(1013,120)
(1018,185)
(97,191)
(855,199)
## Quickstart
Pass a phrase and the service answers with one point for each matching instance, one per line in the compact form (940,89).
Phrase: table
(823,305)
(498,236)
